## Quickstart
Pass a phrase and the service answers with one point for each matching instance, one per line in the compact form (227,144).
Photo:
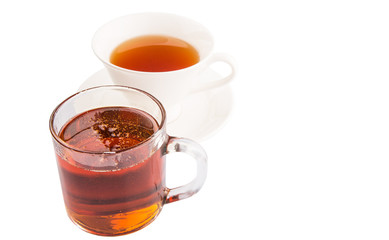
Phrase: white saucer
(202,114)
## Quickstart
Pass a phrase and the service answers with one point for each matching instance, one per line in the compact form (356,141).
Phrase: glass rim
(149,139)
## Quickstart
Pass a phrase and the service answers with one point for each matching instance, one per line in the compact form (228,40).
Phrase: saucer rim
(225,92)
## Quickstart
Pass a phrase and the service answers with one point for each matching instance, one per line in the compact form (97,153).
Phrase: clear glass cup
(117,192)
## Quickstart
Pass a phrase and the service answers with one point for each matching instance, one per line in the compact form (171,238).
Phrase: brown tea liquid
(129,194)
(154,53)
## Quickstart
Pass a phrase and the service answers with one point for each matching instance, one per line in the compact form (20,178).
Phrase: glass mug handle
(197,152)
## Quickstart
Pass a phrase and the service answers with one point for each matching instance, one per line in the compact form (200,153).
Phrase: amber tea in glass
(110,197)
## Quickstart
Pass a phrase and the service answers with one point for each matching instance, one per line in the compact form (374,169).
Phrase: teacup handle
(197,152)
(218,57)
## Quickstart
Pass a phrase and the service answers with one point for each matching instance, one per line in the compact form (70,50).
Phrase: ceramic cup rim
(153,14)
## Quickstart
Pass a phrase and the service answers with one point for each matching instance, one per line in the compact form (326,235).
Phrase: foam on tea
(109,129)
(154,53)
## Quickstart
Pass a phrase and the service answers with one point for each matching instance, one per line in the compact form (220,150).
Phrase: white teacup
(172,86)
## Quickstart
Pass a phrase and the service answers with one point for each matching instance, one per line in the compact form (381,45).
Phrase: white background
(304,154)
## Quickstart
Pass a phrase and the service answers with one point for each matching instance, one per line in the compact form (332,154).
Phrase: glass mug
(110,143)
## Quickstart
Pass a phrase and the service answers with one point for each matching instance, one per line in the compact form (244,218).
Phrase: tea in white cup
(166,32)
